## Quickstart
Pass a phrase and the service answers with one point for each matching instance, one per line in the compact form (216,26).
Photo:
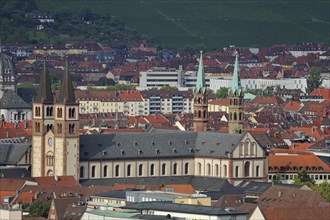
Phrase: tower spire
(45,94)
(236,83)
(200,84)
(66,94)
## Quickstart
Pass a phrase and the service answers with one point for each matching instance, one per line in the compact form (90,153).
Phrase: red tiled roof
(61,181)
(267,100)
(293,106)
(133,95)
(219,102)
(156,119)
(325,93)
(305,213)
(292,158)
(180,188)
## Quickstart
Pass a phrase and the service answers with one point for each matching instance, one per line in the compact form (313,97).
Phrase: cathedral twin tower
(235,93)
(55,139)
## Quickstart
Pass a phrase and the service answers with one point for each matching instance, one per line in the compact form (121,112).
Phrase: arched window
(252,149)
(208,169)
(230,116)
(163,168)
(224,170)
(175,168)
(236,171)
(152,169)
(186,168)
(246,147)
(71,128)
(204,114)
(37,127)
(241,149)
(199,113)
(37,111)
(235,116)
(199,168)
(49,127)
(71,112)
(59,112)
(105,170)
(116,170)
(128,171)
(59,128)
(216,170)
(140,170)
(240,116)
(257,171)
(82,171)
(247,169)
(93,171)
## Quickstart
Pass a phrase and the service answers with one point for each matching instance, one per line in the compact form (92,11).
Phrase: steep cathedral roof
(66,94)
(200,84)
(45,94)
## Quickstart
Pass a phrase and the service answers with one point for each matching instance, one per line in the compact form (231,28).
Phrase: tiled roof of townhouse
(259,100)
(132,95)
(294,160)
(95,95)
(57,181)
(292,105)
(325,93)
(219,102)
(280,196)
(287,213)
(310,131)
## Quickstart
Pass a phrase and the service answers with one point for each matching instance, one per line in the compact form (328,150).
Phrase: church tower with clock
(55,140)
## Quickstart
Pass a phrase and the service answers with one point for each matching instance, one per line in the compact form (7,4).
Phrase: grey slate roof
(14,172)
(184,208)
(162,144)
(11,153)
(198,182)
(119,194)
(10,100)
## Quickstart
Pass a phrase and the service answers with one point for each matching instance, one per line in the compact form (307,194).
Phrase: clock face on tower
(50,142)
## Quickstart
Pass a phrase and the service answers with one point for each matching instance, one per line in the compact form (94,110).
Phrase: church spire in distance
(236,83)
(45,94)
(200,84)
(66,94)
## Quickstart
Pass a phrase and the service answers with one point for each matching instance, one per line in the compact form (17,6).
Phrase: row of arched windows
(248,148)
(247,170)
(233,116)
(49,112)
(199,114)
(139,171)
(235,102)
(216,169)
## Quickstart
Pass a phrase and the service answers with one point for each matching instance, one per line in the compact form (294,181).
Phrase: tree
(39,209)
(314,79)
(324,189)
(222,92)
(277,178)
(252,91)
(168,88)
(103,81)
(303,179)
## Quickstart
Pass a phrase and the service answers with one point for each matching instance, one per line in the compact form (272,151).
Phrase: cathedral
(58,149)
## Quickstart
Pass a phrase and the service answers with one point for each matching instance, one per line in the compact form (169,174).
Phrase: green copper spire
(45,94)
(66,91)
(200,84)
(236,83)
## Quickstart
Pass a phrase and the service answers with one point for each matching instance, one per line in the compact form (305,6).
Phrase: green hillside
(214,23)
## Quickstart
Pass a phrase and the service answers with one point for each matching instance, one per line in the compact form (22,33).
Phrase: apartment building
(288,83)
(167,102)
